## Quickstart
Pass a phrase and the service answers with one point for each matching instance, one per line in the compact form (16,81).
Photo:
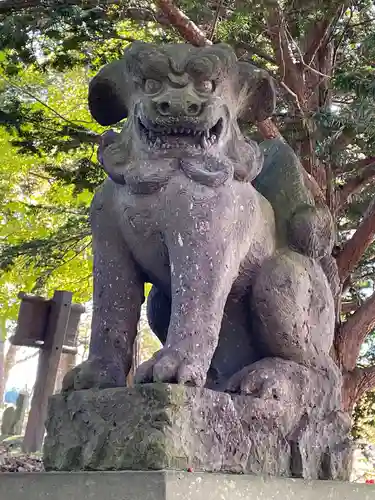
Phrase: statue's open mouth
(162,137)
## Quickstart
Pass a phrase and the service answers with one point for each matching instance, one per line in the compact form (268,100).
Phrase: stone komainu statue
(229,236)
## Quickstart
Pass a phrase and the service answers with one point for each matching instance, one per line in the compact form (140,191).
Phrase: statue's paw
(271,378)
(257,384)
(95,373)
(276,391)
(172,366)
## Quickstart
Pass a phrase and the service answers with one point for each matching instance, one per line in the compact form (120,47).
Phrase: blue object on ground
(10,397)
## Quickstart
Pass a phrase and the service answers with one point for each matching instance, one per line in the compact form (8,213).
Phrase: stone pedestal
(153,427)
(170,485)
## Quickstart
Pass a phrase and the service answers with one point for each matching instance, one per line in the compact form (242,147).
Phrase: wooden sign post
(50,325)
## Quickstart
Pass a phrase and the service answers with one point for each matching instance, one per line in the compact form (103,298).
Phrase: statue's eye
(152,86)
(205,86)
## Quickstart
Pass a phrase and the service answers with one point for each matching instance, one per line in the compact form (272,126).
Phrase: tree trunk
(356,383)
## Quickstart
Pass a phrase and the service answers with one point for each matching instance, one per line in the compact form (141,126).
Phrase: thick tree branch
(349,307)
(256,51)
(187,29)
(317,38)
(268,129)
(357,165)
(354,248)
(355,384)
(353,332)
(355,184)
(313,186)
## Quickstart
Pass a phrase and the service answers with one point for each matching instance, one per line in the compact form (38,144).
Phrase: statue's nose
(178,104)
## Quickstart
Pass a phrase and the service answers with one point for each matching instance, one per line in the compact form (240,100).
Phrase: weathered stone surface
(237,276)
(244,284)
(8,421)
(161,426)
(172,486)
(146,427)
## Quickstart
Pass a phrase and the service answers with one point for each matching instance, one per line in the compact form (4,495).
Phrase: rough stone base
(176,427)
(171,486)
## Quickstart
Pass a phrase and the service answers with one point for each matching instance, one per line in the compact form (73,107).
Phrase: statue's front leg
(118,296)
(207,238)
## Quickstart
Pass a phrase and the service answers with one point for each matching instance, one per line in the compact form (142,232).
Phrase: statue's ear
(108,93)
(257,93)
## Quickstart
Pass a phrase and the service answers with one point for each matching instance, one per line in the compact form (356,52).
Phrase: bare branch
(268,129)
(256,51)
(353,332)
(301,56)
(313,186)
(355,184)
(185,26)
(320,32)
(348,167)
(85,133)
(349,307)
(217,13)
(290,75)
(355,247)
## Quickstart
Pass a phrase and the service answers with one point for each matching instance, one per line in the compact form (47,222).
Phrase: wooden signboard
(52,326)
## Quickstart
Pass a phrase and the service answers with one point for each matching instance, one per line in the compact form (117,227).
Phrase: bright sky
(22,376)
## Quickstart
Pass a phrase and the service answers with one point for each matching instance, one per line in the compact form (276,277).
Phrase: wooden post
(67,363)
(49,359)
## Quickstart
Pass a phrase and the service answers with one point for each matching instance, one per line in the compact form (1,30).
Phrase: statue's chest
(148,220)
(180,199)
(141,225)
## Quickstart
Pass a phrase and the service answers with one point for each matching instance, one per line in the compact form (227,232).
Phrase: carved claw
(95,373)
(170,366)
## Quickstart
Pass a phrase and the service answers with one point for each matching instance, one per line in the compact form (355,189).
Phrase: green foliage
(364,418)
(48,145)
